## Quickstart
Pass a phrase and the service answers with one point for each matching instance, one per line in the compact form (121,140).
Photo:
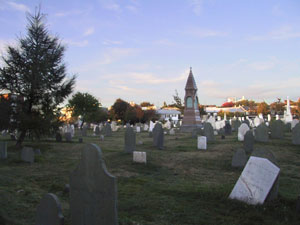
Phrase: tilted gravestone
(248,141)
(209,132)
(296,134)
(202,145)
(267,154)
(27,154)
(239,159)
(277,129)
(140,157)
(158,136)
(227,128)
(130,140)
(93,191)
(49,211)
(242,131)
(256,181)
(262,133)
(3,150)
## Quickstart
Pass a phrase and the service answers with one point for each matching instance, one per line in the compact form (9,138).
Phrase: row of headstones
(27,153)
(277,130)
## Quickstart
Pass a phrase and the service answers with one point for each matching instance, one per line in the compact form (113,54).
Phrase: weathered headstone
(27,154)
(37,151)
(294,123)
(68,137)
(93,191)
(107,130)
(287,127)
(172,131)
(58,137)
(248,141)
(3,150)
(246,121)
(235,125)
(277,129)
(101,137)
(267,154)
(84,131)
(209,132)
(202,143)
(49,211)
(97,130)
(130,140)
(242,131)
(158,136)
(256,181)
(138,129)
(139,157)
(296,134)
(227,128)
(239,159)
(262,133)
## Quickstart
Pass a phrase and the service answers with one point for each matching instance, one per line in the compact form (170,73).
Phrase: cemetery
(66,158)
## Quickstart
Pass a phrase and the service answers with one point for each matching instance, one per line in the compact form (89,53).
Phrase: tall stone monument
(191,118)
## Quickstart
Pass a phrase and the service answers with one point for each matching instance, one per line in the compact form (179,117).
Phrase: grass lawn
(179,185)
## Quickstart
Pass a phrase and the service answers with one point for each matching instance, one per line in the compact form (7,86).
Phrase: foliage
(245,102)
(227,104)
(145,104)
(86,106)
(178,102)
(278,107)
(263,108)
(119,109)
(35,72)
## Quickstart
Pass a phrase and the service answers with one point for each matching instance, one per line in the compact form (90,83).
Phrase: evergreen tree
(34,71)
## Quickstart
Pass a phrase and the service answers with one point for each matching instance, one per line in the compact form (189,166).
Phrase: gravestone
(239,159)
(37,151)
(68,137)
(158,136)
(172,131)
(248,141)
(227,128)
(101,137)
(202,145)
(80,140)
(93,191)
(49,211)
(277,129)
(242,131)
(246,121)
(58,137)
(84,131)
(3,150)
(209,132)
(138,129)
(27,154)
(256,181)
(235,125)
(262,133)
(130,140)
(107,130)
(97,130)
(146,127)
(140,157)
(197,131)
(294,123)
(267,154)
(296,134)
(287,127)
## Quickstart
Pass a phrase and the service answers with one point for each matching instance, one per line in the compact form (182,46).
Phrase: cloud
(89,31)
(148,78)
(76,43)
(283,33)
(74,12)
(110,5)
(111,42)
(164,42)
(262,65)
(197,6)
(18,6)
(132,8)
(277,11)
(205,33)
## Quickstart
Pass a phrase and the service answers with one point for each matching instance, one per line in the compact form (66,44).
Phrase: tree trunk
(21,138)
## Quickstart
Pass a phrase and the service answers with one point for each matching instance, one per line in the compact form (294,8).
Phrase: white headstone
(294,123)
(242,131)
(202,142)
(269,117)
(256,181)
(151,126)
(139,157)
(146,127)
(138,129)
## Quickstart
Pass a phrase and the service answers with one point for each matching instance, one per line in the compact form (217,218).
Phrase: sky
(141,50)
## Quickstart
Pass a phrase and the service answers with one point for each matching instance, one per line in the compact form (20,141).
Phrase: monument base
(189,128)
